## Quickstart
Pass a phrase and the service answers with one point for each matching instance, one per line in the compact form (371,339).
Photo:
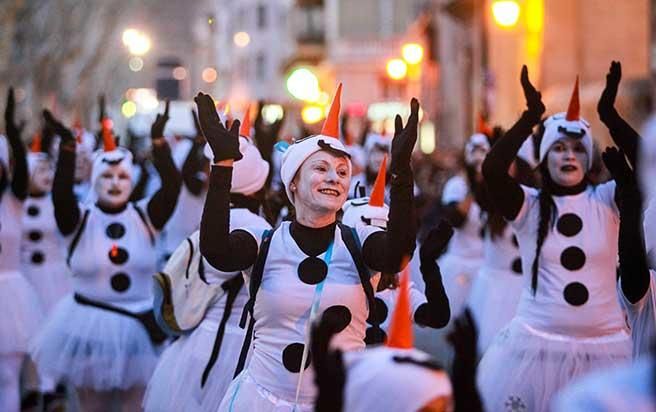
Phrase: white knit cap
(104,160)
(4,152)
(375,139)
(300,150)
(475,141)
(248,173)
(407,380)
(358,211)
(557,127)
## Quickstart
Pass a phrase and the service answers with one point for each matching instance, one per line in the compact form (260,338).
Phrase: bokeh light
(209,75)
(304,85)
(137,42)
(129,109)
(505,12)
(412,53)
(179,73)
(135,64)
(312,114)
(397,69)
(241,39)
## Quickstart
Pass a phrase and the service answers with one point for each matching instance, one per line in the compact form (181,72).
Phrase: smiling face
(566,161)
(113,187)
(41,178)
(322,183)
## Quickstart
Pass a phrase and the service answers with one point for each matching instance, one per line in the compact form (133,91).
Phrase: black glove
(224,142)
(10,115)
(628,196)
(404,140)
(101,108)
(436,241)
(64,133)
(329,373)
(534,106)
(463,340)
(606,104)
(266,136)
(157,128)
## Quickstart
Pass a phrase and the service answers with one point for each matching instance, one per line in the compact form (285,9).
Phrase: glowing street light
(312,114)
(304,85)
(505,12)
(241,39)
(397,69)
(209,75)
(412,53)
(137,42)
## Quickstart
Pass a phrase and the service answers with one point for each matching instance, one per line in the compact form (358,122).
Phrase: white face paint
(322,183)
(566,160)
(113,187)
(41,178)
(376,157)
(476,157)
(82,168)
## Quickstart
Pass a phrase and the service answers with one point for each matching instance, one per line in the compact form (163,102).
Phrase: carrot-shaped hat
(331,124)
(400,332)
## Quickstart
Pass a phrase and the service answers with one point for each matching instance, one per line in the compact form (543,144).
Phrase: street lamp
(396,69)
(505,12)
(412,53)
(137,42)
(303,84)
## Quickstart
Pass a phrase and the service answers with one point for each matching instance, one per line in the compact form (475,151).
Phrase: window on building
(261,16)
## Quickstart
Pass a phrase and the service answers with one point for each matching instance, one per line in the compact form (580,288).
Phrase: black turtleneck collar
(312,241)
(38,195)
(558,190)
(112,210)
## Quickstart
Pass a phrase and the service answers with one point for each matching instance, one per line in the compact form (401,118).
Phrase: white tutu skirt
(21,313)
(51,285)
(176,382)
(458,275)
(524,368)
(93,348)
(246,395)
(493,302)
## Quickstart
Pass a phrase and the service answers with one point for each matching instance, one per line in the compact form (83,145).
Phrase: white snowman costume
(464,255)
(176,384)
(112,257)
(573,322)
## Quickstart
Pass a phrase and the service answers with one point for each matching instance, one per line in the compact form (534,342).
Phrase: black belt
(147,318)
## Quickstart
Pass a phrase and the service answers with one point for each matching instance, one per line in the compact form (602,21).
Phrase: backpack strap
(256,275)
(143,218)
(78,234)
(352,242)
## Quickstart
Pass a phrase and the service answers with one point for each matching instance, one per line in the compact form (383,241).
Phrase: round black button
(37,258)
(576,294)
(572,258)
(517,266)
(379,313)
(292,356)
(339,317)
(115,231)
(569,224)
(118,255)
(35,235)
(33,210)
(120,282)
(312,270)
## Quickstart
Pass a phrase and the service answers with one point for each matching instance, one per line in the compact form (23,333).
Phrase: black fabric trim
(78,234)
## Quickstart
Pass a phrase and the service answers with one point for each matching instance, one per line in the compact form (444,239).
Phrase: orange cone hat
(245,128)
(574,109)
(109,143)
(377,197)
(482,126)
(331,124)
(35,146)
(400,331)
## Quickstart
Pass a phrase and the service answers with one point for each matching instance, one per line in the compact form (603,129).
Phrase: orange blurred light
(209,75)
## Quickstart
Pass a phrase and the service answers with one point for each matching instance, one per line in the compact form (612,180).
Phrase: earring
(292,188)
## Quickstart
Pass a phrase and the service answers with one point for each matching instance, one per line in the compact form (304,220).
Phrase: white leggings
(10,369)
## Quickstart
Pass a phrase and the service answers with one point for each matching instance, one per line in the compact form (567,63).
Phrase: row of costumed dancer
(229,326)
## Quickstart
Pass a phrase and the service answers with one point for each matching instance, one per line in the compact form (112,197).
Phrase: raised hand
(606,104)
(436,241)
(10,114)
(157,128)
(404,139)
(101,108)
(224,142)
(64,133)
(534,105)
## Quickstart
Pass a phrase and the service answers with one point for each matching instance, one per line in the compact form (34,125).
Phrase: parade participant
(376,147)
(460,198)
(194,372)
(411,379)
(103,339)
(308,266)
(429,309)
(498,284)
(42,247)
(568,320)
(18,301)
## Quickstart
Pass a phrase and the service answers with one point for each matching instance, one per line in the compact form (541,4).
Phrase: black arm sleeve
(435,313)
(386,251)
(634,269)
(192,165)
(67,211)
(228,252)
(140,188)
(624,136)
(505,192)
(19,182)
(453,215)
(162,205)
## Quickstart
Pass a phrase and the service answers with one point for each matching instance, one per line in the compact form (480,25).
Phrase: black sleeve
(624,136)
(634,270)
(388,251)
(435,313)
(19,183)
(226,251)
(162,205)
(139,190)
(67,211)
(192,165)
(453,215)
(505,193)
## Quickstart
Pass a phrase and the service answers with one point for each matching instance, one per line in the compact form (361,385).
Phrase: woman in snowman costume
(568,319)
(460,198)
(102,339)
(43,249)
(194,372)
(18,302)
(429,309)
(307,266)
